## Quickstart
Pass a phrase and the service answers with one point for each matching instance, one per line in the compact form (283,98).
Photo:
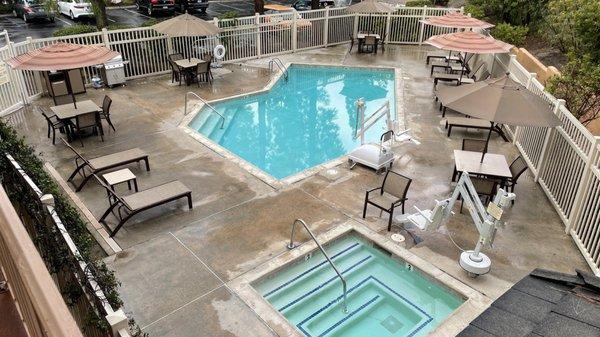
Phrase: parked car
(75,8)
(32,9)
(191,5)
(304,5)
(155,6)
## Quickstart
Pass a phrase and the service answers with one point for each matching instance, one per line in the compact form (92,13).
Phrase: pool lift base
(377,156)
(487,221)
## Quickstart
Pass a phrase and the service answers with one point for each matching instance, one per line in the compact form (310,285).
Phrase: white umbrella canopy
(186,25)
(370,7)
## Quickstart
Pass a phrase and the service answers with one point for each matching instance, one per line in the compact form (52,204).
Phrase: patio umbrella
(469,42)
(499,100)
(186,25)
(62,57)
(370,7)
(457,20)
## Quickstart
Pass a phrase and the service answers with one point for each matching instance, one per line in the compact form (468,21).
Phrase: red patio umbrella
(469,42)
(62,57)
(457,20)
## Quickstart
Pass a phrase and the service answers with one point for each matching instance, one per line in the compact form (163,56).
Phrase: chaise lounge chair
(144,200)
(103,163)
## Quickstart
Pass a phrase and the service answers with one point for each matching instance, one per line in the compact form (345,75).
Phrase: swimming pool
(301,122)
(386,296)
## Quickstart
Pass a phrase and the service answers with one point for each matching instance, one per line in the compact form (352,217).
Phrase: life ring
(219,51)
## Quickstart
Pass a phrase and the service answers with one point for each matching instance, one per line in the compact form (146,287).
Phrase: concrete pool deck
(176,265)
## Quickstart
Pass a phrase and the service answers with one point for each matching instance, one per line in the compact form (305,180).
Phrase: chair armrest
(399,201)
(373,189)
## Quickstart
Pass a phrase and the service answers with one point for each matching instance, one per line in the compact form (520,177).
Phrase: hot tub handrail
(291,245)
(185,111)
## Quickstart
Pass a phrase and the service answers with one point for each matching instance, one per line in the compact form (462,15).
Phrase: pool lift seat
(377,156)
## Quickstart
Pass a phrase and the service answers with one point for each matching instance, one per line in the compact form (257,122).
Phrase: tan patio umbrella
(186,25)
(499,100)
(62,57)
(370,7)
(456,20)
(469,42)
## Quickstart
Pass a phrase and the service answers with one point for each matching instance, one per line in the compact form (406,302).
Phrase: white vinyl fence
(564,160)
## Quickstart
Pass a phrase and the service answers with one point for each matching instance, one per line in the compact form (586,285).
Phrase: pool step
(372,306)
(324,281)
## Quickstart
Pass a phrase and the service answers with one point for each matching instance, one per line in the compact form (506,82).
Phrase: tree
(259,6)
(515,12)
(579,86)
(574,26)
(314,4)
(99,8)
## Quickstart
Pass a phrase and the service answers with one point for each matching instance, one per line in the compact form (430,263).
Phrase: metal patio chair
(392,194)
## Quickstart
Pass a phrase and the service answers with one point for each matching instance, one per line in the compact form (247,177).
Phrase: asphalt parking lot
(19,30)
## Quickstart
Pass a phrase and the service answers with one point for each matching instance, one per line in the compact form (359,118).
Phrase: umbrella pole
(69,88)
(462,70)
(487,141)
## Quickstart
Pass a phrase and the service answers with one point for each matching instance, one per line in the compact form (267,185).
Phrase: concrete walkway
(176,263)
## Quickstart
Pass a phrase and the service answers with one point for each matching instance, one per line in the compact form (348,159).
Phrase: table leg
(135,186)
(129,185)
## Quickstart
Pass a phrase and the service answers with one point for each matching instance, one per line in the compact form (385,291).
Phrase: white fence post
(20,76)
(388,24)
(355,29)
(422,25)
(105,38)
(583,185)
(294,31)
(541,161)
(258,44)
(326,28)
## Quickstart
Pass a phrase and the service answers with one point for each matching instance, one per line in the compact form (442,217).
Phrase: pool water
(385,297)
(302,122)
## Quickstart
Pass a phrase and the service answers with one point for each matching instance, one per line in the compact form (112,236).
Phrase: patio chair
(381,42)
(475,145)
(517,167)
(141,201)
(105,114)
(175,72)
(103,163)
(62,99)
(202,71)
(458,78)
(486,189)
(89,120)
(53,123)
(392,194)
(351,42)
(175,56)
(369,45)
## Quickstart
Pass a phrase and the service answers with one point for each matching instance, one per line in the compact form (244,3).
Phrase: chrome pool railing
(291,245)
(276,61)
(185,109)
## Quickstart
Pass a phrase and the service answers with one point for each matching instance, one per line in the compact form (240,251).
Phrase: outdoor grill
(113,71)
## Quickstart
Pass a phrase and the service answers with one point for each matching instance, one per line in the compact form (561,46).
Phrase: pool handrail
(291,245)
(185,111)
(276,61)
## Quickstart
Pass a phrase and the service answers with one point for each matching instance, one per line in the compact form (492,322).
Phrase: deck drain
(391,324)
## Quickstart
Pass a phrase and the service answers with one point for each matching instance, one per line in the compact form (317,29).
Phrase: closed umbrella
(186,25)
(469,42)
(62,57)
(457,20)
(500,100)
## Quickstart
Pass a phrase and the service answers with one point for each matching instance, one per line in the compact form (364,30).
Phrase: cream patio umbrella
(499,100)
(62,57)
(186,25)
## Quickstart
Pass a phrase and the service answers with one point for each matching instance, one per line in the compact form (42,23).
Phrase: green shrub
(75,29)
(149,23)
(116,26)
(475,11)
(6,8)
(508,33)
(419,3)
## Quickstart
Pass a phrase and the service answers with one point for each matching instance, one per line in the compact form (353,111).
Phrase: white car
(75,8)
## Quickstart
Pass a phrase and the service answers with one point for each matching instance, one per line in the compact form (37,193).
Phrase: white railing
(566,163)
(565,160)
(245,38)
